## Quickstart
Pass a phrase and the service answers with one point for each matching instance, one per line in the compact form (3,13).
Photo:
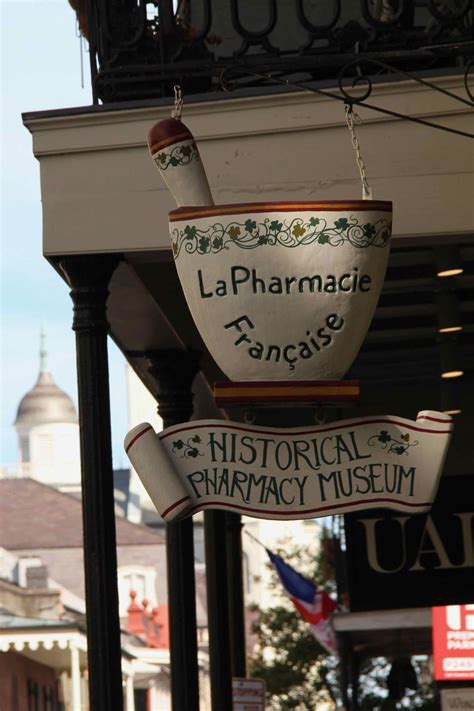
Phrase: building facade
(48,433)
(270,142)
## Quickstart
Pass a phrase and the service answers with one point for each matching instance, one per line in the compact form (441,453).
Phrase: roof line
(78,500)
(222,95)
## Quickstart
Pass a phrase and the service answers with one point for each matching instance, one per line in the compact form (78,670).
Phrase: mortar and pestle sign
(280,291)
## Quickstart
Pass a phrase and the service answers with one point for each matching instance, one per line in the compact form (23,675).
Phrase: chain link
(351,119)
(178,102)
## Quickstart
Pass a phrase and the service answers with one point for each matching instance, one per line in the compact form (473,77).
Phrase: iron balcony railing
(140,48)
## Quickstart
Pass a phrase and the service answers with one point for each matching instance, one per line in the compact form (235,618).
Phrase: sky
(40,69)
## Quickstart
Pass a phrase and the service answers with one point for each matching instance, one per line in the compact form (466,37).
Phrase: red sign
(248,694)
(453,642)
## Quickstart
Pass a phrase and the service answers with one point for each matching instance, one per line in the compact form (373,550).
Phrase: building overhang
(101,191)
(102,194)
(387,633)
(46,645)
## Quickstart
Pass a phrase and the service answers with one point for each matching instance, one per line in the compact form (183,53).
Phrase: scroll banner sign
(296,473)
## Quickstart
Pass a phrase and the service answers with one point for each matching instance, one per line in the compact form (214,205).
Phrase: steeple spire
(43,352)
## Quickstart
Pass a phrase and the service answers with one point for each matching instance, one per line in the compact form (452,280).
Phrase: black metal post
(174,372)
(89,277)
(343,649)
(355,671)
(215,532)
(235,584)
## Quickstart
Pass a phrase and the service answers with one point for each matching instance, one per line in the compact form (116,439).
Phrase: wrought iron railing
(140,48)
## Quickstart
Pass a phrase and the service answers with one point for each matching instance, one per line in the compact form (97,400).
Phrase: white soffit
(102,193)
(382,620)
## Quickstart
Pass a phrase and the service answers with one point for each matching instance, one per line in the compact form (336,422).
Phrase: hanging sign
(453,642)
(396,561)
(283,290)
(457,699)
(293,473)
(248,694)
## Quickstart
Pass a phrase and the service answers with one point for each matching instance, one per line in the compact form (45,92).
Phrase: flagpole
(250,535)
(238,648)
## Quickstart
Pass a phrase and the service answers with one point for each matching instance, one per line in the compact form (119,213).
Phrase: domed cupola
(48,433)
(45,403)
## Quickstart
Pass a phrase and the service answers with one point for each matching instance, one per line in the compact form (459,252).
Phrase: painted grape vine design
(292,233)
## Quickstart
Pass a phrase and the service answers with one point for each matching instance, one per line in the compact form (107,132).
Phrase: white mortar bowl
(283,290)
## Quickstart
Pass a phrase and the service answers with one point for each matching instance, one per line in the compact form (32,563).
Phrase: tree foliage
(296,669)
(298,672)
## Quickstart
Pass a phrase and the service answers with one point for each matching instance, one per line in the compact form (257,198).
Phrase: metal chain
(351,118)
(178,102)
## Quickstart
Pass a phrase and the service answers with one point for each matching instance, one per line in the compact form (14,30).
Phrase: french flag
(315,606)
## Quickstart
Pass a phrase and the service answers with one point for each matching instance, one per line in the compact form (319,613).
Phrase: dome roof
(45,403)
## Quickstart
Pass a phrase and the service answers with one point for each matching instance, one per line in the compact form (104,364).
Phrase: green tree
(298,671)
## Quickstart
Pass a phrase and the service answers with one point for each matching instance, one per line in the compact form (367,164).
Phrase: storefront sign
(403,561)
(453,641)
(292,473)
(248,694)
(457,699)
(283,290)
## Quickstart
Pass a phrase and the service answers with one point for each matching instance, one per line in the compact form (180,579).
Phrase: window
(45,449)
(14,703)
(48,699)
(22,566)
(33,695)
(25,449)
(141,579)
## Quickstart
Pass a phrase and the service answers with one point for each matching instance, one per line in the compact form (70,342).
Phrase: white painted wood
(101,192)
(194,467)
(129,695)
(283,294)
(75,679)
(382,620)
(185,178)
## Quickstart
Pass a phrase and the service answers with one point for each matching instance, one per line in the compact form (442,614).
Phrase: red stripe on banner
(434,419)
(285,396)
(238,208)
(173,506)
(366,503)
(147,429)
(286,384)
(239,428)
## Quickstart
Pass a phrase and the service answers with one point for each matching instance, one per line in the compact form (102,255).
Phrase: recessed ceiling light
(448,261)
(449,272)
(452,374)
(450,329)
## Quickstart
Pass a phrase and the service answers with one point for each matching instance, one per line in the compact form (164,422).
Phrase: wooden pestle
(176,155)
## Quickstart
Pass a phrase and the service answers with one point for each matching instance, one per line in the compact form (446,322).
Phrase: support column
(238,653)
(343,649)
(174,372)
(75,679)
(89,277)
(355,671)
(129,694)
(215,529)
